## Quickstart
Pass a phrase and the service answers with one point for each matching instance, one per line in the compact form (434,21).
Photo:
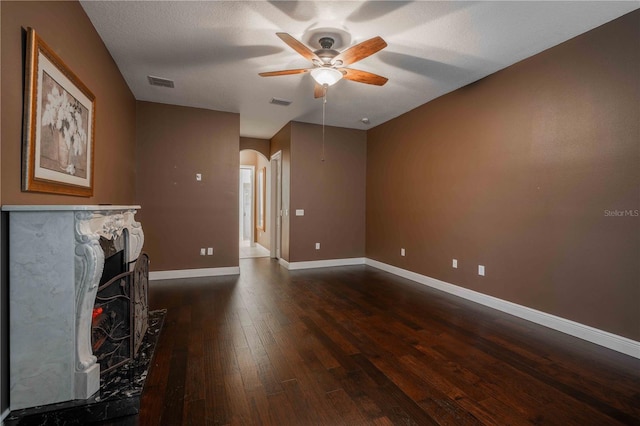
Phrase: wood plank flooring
(357,346)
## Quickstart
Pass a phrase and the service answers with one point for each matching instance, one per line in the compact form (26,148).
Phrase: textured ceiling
(214,50)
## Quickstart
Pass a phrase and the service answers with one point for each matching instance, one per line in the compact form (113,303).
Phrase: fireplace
(119,318)
(56,263)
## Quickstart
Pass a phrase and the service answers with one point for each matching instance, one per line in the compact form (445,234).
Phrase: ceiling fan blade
(283,72)
(363,76)
(299,47)
(359,51)
(318,91)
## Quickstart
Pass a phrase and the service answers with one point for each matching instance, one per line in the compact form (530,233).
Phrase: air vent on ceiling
(277,101)
(159,81)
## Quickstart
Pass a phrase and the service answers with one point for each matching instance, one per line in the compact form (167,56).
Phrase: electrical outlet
(454,263)
(402,252)
(210,251)
(317,246)
(203,251)
(481,270)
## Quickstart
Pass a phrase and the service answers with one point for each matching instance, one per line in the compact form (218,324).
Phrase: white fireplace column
(55,266)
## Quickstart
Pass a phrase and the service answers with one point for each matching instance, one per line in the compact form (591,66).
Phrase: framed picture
(261,198)
(59,122)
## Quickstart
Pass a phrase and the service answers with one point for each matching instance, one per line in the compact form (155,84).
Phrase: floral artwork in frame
(59,121)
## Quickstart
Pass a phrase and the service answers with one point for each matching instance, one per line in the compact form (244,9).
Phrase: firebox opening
(111,337)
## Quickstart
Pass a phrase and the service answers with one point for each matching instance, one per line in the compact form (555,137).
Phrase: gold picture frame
(58,125)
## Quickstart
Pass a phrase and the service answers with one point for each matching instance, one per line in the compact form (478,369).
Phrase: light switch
(198,177)
(317,246)
(202,252)
(454,263)
(481,270)
(299,212)
(210,251)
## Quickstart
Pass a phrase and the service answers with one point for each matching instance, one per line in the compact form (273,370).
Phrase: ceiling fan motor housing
(326,54)
(326,42)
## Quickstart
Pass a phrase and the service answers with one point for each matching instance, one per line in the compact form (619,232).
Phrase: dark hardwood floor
(356,346)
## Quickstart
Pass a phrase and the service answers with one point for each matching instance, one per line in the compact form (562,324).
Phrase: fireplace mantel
(55,265)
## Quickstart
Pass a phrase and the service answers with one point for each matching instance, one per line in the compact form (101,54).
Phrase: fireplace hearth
(119,395)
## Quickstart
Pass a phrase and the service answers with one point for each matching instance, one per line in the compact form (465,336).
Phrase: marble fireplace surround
(55,265)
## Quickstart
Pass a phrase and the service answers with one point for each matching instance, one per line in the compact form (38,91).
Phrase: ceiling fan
(329,65)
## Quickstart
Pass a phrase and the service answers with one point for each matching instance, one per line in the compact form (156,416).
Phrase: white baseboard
(193,273)
(283,263)
(585,332)
(329,263)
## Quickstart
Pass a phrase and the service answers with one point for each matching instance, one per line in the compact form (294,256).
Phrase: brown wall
(260,145)
(331,192)
(281,141)
(179,214)
(515,172)
(67,30)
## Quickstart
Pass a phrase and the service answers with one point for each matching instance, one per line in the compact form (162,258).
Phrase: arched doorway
(254,230)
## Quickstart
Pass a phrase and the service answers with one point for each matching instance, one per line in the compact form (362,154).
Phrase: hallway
(246,251)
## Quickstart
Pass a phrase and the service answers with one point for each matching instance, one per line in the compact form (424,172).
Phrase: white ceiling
(214,50)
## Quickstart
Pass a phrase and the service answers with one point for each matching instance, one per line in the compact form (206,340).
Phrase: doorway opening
(253,205)
(246,204)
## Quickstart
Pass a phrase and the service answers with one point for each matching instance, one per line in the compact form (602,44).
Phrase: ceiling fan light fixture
(325,75)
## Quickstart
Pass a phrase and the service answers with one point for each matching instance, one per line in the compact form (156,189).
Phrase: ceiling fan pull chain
(324,102)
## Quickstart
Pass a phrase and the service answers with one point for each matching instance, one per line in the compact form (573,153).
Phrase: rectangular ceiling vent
(159,81)
(277,101)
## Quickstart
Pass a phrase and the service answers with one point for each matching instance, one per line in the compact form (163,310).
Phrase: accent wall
(327,185)
(181,214)
(65,27)
(533,172)
(331,192)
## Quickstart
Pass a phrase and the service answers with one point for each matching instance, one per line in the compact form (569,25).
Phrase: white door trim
(276,208)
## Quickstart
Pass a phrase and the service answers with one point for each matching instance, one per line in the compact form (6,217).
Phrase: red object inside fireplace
(96,312)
